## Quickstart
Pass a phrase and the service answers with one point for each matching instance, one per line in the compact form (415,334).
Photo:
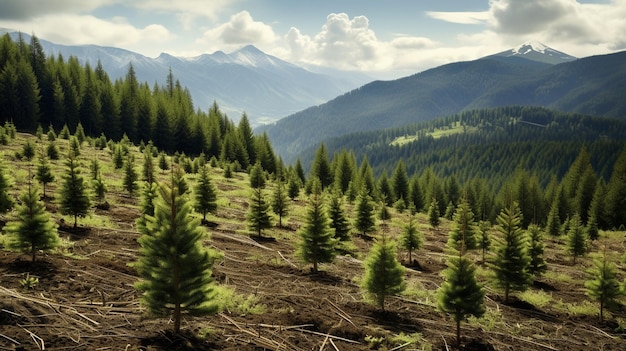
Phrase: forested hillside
(590,85)
(57,92)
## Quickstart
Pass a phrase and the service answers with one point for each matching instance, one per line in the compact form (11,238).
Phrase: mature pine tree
(616,193)
(384,275)
(433,213)
(174,266)
(411,239)
(464,230)
(130,176)
(280,203)
(205,193)
(364,218)
(511,262)
(602,284)
(400,183)
(317,244)
(345,170)
(338,220)
(576,238)
(415,194)
(74,200)
(460,294)
(258,212)
(537,265)
(32,230)
(484,242)
(320,167)
(44,173)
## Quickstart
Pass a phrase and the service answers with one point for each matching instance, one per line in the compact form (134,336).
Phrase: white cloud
(25,9)
(86,29)
(240,30)
(460,17)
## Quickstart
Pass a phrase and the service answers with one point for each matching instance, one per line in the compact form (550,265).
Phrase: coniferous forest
(133,220)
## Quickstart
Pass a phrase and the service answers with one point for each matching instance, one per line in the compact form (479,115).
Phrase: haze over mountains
(526,75)
(247,80)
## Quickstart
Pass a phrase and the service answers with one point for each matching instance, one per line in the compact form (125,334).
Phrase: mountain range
(531,74)
(265,87)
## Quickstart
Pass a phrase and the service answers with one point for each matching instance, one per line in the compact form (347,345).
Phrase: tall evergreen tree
(280,203)
(511,262)
(345,170)
(44,173)
(205,193)
(411,239)
(464,230)
(400,183)
(576,237)
(32,230)
(317,244)
(364,217)
(338,220)
(616,192)
(320,167)
(433,213)
(460,294)
(384,275)
(130,176)
(602,284)
(74,200)
(416,197)
(258,212)
(174,266)
(484,241)
(537,265)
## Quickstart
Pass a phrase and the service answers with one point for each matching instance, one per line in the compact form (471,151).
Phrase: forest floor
(85,299)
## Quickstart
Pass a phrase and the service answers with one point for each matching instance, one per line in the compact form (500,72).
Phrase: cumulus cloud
(467,17)
(240,30)
(86,29)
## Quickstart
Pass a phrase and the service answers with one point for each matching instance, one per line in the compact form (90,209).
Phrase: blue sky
(386,39)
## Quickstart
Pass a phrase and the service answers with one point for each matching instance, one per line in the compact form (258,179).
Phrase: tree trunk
(601,310)
(458,332)
(33,252)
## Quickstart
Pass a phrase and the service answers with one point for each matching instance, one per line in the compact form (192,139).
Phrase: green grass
(539,299)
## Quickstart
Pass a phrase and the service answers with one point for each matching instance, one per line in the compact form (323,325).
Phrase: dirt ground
(85,300)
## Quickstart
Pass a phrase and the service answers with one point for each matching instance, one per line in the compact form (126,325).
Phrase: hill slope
(246,80)
(590,85)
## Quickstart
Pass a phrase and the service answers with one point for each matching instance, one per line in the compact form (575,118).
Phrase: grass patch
(242,305)
(416,291)
(491,320)
(539,299)
(559,277)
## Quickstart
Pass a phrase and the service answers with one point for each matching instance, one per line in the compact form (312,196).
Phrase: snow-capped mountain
(265,87)
(536,51)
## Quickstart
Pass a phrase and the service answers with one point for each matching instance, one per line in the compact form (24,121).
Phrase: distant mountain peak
(536,51)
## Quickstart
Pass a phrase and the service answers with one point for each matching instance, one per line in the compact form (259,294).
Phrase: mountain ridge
(247,80)
(490,81)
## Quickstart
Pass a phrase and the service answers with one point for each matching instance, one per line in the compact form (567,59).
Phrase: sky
(386,39)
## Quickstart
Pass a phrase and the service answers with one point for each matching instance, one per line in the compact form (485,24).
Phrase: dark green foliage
(74,147)
(384,190)
(293,187)
(51,134)
(537,265)
(320,167)
(511,262)
(65,132)
(52,151)
(433,213)
(411,239)
(146,206)
(553,226)
(400,183)
(258,212)
(257,176)
(576,237)
(602,284)
(415,194)
(384,275)
(174,266)
(591,230)
(616,192)
(163,163)
(364,217)
(99,188)
(44,173)
(338,220)
(280,203)
(74,200)
(317,244)
(464,234)
(484,242)
(383,213)
(79,133)
(460,294)
(118,156)
(205,193)
(32,229)
(6,201)
(94,168)
(28,151)
(130,176)
(148,165)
